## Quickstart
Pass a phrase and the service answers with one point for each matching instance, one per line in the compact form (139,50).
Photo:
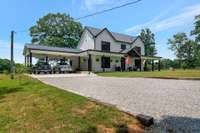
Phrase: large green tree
(59,30)
(176,44)
(184,49)
(149,42)
(196,31)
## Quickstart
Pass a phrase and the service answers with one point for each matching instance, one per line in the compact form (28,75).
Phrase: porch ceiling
(39,53)
(100,53)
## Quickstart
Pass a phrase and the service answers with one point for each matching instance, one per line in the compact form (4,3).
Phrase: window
(105,46)
(105,62)
(123,46)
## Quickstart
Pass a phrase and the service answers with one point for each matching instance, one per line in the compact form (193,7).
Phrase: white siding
(87,41)
(74,62)
(114,46)
(84,63)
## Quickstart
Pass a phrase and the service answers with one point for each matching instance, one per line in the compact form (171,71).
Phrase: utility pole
(12,56)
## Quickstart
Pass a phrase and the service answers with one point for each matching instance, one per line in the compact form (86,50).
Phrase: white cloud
(185,17)
(91,4)
(98,4)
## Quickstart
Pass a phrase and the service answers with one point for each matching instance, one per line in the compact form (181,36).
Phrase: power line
(97,13)
(22,31)
(107,10)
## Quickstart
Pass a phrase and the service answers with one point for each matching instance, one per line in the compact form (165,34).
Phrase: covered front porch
(52,55)
(137,62)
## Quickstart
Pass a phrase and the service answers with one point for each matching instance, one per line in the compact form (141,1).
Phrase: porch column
(152,65)
(30,59)
(158,65)
(89,63)
(103,63)
(79,63)
(25,60)
(46,59)
(145,65)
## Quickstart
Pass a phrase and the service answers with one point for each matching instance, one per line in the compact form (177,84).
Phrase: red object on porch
(128,60)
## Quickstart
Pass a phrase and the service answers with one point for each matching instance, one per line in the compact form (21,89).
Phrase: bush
(5,67)
(19,68)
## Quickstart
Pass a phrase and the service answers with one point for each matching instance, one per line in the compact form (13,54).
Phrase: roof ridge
(110,31)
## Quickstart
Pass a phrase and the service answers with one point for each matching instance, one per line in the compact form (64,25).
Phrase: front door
(123,64)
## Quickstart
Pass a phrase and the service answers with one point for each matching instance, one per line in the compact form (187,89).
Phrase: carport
(53,53)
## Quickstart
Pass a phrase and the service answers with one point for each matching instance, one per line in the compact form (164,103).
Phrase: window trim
(122,46)
(105,65)
(107,44)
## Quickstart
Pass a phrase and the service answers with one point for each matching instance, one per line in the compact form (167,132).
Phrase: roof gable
(116,36)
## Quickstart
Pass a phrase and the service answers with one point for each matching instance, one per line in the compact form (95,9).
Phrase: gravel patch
(175,104)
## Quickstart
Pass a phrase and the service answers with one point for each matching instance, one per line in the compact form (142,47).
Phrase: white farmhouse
(98,50)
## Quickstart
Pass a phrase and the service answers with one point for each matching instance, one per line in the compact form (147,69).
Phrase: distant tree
(166,63)
(184,49)
(189,53)
(196,31)
(197,54)
(149,45)
(176,44)
(149,42)
(59,30)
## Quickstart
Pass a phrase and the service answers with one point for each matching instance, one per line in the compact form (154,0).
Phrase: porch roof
(151,57)
(38,50)
(33,47)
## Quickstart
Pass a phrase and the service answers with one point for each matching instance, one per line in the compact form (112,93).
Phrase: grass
(194,74)
(28,105)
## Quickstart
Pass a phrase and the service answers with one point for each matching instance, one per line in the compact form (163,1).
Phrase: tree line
(185,48)
(5,67)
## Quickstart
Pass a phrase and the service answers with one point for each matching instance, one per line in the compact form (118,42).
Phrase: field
(28,105)
(179,74)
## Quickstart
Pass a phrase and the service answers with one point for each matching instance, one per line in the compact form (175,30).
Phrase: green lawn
(165,74)
(28,105)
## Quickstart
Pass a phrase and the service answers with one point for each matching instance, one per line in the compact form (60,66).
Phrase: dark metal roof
(117,36)
(48,48)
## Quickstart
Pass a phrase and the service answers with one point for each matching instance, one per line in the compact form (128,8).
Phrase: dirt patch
(82,111)
(134,128)
(103,129)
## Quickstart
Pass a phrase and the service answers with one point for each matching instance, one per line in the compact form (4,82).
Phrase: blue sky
(163,17)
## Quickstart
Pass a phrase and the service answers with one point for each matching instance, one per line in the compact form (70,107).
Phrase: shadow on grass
(7,90)
(173,124)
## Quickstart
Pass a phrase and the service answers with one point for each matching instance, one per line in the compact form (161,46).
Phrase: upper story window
(123,46)
(105,46)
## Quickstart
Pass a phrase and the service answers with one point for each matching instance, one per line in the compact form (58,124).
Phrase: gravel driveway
(175,104)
